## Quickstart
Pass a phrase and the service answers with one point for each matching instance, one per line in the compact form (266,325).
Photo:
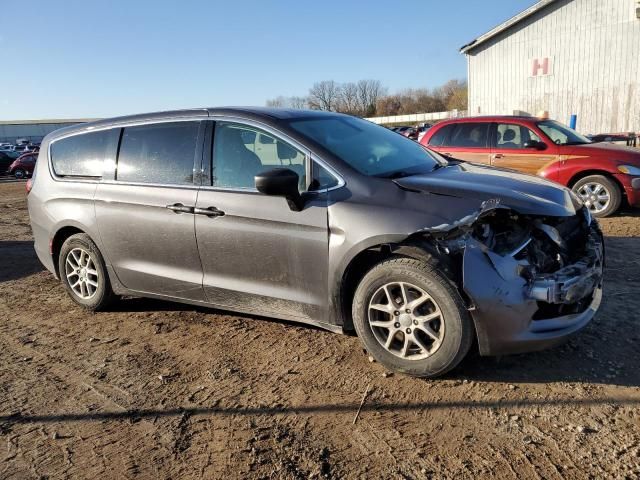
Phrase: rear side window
(469,135)
(160,153)
(441,136)
(84,155)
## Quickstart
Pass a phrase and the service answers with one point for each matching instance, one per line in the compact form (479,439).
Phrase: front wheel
(19,173)
(411,319)
(600,194)
(83,273)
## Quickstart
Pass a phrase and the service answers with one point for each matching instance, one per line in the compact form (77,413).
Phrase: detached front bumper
(514,315)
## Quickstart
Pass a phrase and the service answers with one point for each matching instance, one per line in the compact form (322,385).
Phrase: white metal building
(562,56)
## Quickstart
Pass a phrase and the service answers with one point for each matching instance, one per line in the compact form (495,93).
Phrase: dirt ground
(161,390)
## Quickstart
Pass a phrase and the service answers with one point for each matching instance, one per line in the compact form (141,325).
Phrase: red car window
(509,135)
(470,135)
(442,135)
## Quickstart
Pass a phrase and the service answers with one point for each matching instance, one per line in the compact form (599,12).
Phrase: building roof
(48,121)
(506,25)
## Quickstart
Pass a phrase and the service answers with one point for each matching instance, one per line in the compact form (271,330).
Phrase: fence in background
(414,118)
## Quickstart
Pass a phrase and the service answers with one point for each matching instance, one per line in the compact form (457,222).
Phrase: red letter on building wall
(539,66)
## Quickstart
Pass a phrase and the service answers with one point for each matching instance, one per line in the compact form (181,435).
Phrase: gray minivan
(319,218)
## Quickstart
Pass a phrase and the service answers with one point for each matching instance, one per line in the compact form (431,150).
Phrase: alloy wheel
(406,321)
(595,196)
(81,273)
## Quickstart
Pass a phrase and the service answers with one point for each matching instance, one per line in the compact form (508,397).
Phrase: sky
(90,58)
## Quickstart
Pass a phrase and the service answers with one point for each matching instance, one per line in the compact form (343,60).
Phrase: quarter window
(241,152)
(322,179)
(84,155)
(469,135)
(513,136)
(159,153)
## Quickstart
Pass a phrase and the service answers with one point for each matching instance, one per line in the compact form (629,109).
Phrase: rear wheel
(600,194)
(411,319)
(83,273)
(19,173)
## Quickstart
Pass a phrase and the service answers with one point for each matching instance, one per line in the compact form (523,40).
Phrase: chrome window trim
(155,185)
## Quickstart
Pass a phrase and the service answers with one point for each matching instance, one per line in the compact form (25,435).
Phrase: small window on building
(84,155)
(160,153)
(469,135)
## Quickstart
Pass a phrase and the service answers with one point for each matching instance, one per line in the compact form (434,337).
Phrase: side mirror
(535,144)
(281,182)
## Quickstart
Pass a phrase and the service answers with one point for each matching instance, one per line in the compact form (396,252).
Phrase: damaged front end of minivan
(529,280)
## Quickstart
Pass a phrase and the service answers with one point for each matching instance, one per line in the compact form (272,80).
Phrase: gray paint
(595,50)
(263,257)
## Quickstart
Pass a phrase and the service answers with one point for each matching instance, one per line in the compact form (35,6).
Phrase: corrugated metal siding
(594,46)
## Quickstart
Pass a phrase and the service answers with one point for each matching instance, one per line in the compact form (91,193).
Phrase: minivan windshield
(561,134)
(369,148)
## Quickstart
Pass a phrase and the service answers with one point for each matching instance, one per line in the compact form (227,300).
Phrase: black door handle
(180,208)
(209,212)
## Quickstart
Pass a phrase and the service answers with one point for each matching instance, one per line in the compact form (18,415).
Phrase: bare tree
(389,105)
(453,94)
(278,102)
(288,102)
(368,98)
(324,95)
(368,93)
(298,102)
(348,99)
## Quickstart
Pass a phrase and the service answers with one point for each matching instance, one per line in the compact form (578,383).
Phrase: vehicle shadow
(141,304)
(372,405)
(605,351)
(18,260)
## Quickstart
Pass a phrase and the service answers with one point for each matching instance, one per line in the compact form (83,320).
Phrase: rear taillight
(29,185)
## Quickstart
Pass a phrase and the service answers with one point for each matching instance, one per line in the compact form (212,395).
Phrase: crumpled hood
(526,194)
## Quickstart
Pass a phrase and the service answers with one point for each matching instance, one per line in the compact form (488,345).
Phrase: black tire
(458,333)
(103,294)
(20,173)
(615,195)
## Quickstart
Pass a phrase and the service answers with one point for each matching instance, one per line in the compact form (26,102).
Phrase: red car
(23,166)
(602,174)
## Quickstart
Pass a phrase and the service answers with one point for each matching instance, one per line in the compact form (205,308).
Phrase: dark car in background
(5,162)
(23,166)
(320,218)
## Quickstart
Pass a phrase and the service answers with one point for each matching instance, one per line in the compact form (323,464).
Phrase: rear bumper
(507,308)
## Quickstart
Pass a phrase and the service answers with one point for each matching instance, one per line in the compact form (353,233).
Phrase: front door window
(513,136)
(241,152)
